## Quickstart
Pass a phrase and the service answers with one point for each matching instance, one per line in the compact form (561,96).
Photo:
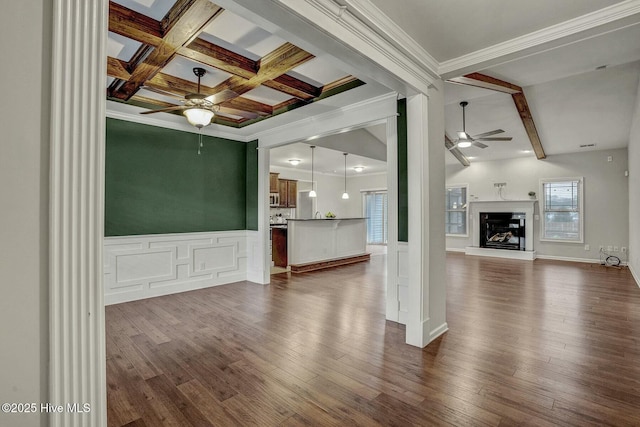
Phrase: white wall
(358,183)
(634,192)
(605,195)
(24,173)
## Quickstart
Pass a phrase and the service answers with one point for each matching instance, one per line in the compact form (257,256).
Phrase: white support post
(76,305)
(393,298)
(425,151)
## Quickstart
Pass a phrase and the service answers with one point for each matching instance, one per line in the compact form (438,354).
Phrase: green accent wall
(156,182)
(403,183)
(252,185)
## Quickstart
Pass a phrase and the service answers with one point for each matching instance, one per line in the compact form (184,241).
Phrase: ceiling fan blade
(235,112)
(222,96)
(162,110)
(479,144)
(499,138)
(163,92)
(493,132)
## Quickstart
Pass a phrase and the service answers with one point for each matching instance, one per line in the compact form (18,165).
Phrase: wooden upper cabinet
(288,190)
(273,182)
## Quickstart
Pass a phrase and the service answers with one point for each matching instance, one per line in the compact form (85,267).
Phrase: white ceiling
(448,29)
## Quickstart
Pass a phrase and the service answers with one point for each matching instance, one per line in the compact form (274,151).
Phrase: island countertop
(322,219)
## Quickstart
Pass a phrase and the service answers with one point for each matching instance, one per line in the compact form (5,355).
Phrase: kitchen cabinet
(279,246)
(288,190)
(273,182)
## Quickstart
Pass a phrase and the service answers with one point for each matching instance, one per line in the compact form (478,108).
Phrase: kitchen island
(320,243)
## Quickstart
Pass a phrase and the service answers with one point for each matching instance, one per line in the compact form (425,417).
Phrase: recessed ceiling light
(358,168)
(471,157)
(294,162)
(526,151)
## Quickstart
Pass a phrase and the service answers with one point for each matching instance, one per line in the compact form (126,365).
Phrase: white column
(425,151)
(76,309)
(392,300)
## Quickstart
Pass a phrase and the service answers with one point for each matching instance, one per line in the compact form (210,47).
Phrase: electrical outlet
(623,249)
(499,184)
(609,158)
(615,249)
(203,266)
(587,248)
(609,248)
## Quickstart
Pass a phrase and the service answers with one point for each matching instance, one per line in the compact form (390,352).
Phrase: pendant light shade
(345,195)
(312,193)
(198,117)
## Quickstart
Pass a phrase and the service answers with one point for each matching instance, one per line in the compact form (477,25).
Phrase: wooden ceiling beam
(134,25)
(516,92)
(294,87)
(486,82)
(527,120)
(456,152)
(185,20)
(167,83)
(218,57)
(273,65)
(117,68)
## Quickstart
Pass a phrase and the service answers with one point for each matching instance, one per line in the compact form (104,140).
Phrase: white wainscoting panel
(137,267)
(403,282)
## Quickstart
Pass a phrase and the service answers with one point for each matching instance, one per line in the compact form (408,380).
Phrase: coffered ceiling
(153,47)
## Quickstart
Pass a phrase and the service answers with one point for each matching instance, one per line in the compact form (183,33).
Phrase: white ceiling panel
(240,33)
(183,68)
(266,95)
(120,47)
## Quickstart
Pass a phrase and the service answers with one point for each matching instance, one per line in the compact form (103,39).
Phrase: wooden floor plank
(542,343)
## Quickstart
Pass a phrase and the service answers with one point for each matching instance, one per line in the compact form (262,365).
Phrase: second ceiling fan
(465,140)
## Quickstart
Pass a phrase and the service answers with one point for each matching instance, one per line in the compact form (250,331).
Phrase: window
(456,210)
(562,210)
(375,210)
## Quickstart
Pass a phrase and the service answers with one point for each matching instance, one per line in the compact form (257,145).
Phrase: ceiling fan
(198,108)
(465,140)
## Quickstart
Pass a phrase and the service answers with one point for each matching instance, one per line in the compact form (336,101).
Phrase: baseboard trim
(634,275)
(438,331)
(500,253)
(303,268)
(463,250)
(569,259)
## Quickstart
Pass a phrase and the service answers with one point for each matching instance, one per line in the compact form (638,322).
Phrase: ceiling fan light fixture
(294,162)
(198,117)
(358,168)
(464,144)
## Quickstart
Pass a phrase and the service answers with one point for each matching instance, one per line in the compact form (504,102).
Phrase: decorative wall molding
(402,280)
(544,39)
(138,267)
(77,366)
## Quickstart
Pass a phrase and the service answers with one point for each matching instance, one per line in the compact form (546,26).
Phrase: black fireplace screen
(502,230)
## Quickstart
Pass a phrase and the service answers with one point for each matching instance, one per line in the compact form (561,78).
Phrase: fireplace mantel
(527,207)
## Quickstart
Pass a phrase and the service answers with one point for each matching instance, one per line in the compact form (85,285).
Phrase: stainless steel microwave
(274,199)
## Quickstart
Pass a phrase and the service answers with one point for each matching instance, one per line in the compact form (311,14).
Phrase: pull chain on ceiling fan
(465,140)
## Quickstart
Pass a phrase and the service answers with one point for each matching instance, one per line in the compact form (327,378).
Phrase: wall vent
(587,145)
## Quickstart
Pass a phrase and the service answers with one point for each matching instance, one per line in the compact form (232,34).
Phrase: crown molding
(375,37)
(546,38)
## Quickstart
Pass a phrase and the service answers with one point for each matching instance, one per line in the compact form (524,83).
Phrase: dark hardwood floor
(539,343)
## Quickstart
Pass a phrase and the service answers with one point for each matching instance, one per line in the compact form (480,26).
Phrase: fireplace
(503,230)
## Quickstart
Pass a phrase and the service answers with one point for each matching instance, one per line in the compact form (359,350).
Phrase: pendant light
(312,193)
(345,195)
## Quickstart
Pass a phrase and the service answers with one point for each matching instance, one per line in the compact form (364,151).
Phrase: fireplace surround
(524,210)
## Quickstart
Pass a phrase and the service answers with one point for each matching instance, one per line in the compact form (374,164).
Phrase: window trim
(580,180)
(466,211)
